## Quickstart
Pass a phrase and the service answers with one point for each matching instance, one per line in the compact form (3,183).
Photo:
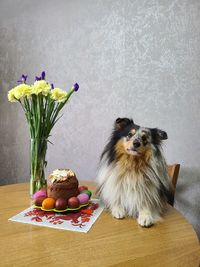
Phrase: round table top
(110,242)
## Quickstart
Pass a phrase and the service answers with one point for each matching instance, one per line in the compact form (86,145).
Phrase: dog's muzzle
(136,144)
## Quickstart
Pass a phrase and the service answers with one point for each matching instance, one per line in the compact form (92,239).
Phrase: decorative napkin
(81,220)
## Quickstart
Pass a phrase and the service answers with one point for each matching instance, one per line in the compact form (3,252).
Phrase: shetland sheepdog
(132,179)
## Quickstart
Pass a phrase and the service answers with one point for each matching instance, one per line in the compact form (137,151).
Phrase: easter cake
(63,193)
(62,183)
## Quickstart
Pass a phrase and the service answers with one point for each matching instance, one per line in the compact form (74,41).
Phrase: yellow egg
(48,203)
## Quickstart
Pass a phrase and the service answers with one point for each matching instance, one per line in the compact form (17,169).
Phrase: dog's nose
(136,144)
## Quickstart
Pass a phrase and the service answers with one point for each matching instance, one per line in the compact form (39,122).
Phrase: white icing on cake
(61,175)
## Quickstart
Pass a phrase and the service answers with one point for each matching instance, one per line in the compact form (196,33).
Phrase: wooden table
(110,242)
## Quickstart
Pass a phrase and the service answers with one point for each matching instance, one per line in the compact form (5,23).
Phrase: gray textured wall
(139,59)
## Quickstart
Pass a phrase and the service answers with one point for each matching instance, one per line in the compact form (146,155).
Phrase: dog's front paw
(118,212)
(145,220)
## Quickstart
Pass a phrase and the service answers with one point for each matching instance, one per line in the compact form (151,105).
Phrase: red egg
(73,202)
(82,188)
(38,201)
(61,204)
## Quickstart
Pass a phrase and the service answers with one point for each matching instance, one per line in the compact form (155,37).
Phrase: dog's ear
(121,123)
(158,135)
(162,134)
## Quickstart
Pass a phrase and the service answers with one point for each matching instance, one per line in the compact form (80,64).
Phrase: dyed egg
(61,204)
(83,198)
(88,192)
(40,193)
(73,202)
(38,201)
(82,188)
(48,203)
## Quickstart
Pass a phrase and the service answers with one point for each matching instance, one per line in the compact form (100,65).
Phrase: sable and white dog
(133,178)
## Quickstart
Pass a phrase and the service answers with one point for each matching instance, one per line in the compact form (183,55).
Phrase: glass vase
(38,149)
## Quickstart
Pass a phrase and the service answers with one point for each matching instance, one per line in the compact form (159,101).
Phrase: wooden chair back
(173,171)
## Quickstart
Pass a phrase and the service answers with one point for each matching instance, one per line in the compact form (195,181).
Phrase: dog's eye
(144,137)
(130,135)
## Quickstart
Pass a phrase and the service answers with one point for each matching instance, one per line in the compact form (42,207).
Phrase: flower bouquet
(42,104)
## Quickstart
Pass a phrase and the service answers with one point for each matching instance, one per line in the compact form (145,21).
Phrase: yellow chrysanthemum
(58,95)
(18,92)
(41,87)
(11,96)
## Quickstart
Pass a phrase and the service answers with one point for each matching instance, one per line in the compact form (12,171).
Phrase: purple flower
(43,75)
(75,87)
(22,79)
(40,78)
(37,78)
(52,86)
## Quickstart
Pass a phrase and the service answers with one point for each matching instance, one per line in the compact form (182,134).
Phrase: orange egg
(48,203)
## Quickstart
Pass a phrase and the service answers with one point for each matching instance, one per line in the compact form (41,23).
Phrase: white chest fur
(117,190)
(129,192)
